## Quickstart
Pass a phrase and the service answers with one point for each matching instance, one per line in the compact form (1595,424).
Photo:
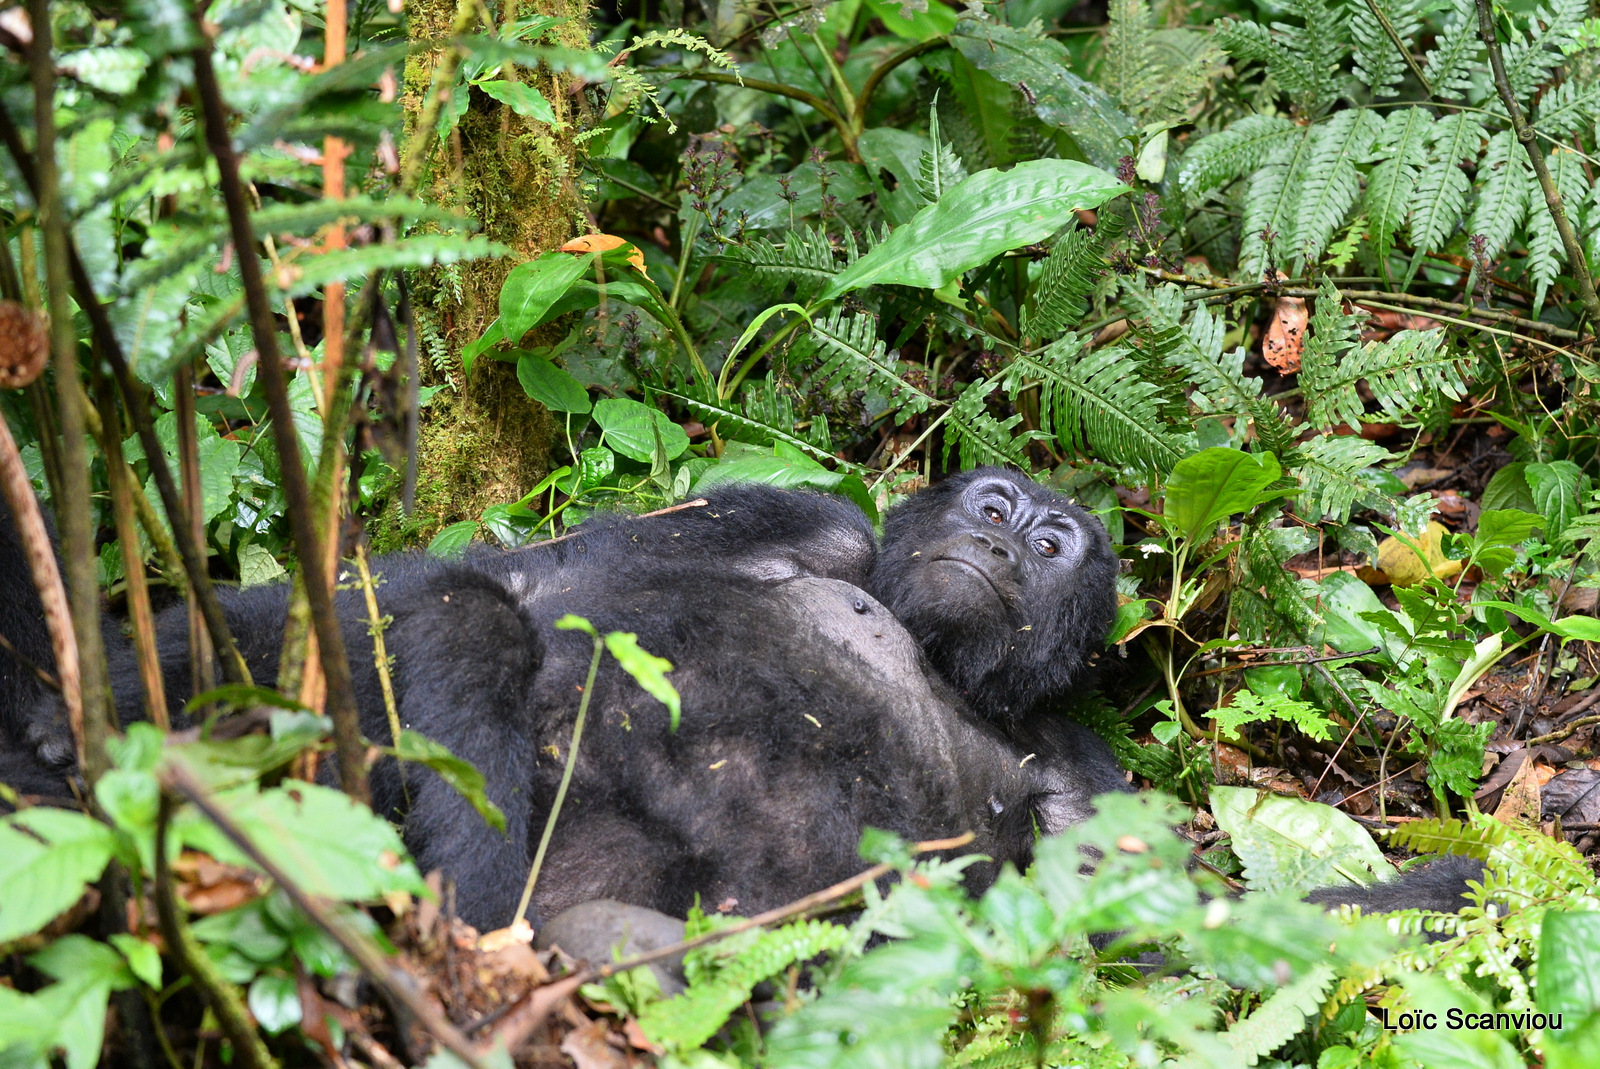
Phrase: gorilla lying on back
(809,710)
(827,685)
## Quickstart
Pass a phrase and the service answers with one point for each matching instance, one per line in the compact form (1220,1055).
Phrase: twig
(307,538)
(1567,730)
(43,675)
(566,780)
(91,719)
(395,983)
(220,995)
(135,397)
(122,509)
(532,1008)
(883,70)
(1400,46)
(1361,714)
(1541,171)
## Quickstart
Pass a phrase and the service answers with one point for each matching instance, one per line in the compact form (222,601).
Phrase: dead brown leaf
(1286,335)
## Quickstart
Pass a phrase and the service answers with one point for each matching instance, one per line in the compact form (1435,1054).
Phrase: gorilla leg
(1437,885)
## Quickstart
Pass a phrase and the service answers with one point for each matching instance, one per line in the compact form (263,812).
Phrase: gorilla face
(1008,587)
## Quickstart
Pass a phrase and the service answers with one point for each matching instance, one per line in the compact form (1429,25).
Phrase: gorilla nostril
(860,606)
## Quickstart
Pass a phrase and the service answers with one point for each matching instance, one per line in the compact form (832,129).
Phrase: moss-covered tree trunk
(482,441)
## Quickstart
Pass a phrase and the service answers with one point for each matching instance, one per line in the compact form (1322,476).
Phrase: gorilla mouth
(975,570)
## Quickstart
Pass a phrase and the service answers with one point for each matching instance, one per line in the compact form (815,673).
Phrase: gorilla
(827,684)
(810,710)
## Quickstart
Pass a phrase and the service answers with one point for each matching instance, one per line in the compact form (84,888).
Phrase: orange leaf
(604,243)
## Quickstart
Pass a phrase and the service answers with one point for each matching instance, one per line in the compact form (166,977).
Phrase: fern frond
(1127,52)
(1404,373)
(1331,183)
(1219,158)
(940,166)
(1378,64)
(1450,65)
(1066,280)
(1442,187)
(1301,59)
(1279,1018)
(762,416)
(1546,254)
(1568,108)
(1530,61)
(1332,471)
(1253,41)
(1333,332)
(1098,405)
(805,260)
(980,437)
(1403,142)
(1272,202)
(1503,195)
(848,353)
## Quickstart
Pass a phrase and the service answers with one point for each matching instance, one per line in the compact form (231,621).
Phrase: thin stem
(139,609)
(561,791)
(400,987)
(822,107)
(248,1048)
(307,538)
(29,524)
(884,69)
(1526,135)
(1400,46)
(376,624)
(135,398)
(72,506)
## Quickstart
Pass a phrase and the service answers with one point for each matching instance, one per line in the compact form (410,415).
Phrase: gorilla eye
(994,515)
(1046,546)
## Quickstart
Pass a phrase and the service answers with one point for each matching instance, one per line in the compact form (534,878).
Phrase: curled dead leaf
(604,243)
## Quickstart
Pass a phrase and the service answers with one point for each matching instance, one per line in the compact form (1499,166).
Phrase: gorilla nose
(997,548)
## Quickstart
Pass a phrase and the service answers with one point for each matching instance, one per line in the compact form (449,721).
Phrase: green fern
(1442,188)
(719,987)
(1449,66)
(1153,75)
(1378,64)
(940,167)
(1301,59)
(1546,254)
(1220,158)
(1331,182)
(806,260)
(1403,373)
(844,349)
(1503,198)
(1402,149)
(1334,473)
(1095,407)
(762,416)
(1530,61)
(1278,1019)
(1066,279)
(980,437)
(1272,203)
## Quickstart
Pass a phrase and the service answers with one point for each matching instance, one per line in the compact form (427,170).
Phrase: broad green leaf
(1292,844)
(531,288)
(1500,532)
(905,20)
(459,774)
(453,540)
(633,429)
(522,99)
(1555,489)
(790,469)
(143,959)
(551,386)
(324,840)
(647,669)
(990,213)
(257,566)
(494,334)
(46,857)
(1569,964)
(1208,487)
(1586,628)
(1508,489)
(1059,98)
(275,1002)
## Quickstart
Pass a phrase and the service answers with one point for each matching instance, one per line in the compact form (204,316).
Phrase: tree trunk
(482,441)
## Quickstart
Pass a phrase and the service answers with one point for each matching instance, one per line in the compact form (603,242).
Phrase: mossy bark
(482,441)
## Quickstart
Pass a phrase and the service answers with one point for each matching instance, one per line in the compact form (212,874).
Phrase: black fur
(809,712)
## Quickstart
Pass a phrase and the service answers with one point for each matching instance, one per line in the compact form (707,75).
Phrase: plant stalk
(307,538)
(1525,134)
(72,506)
